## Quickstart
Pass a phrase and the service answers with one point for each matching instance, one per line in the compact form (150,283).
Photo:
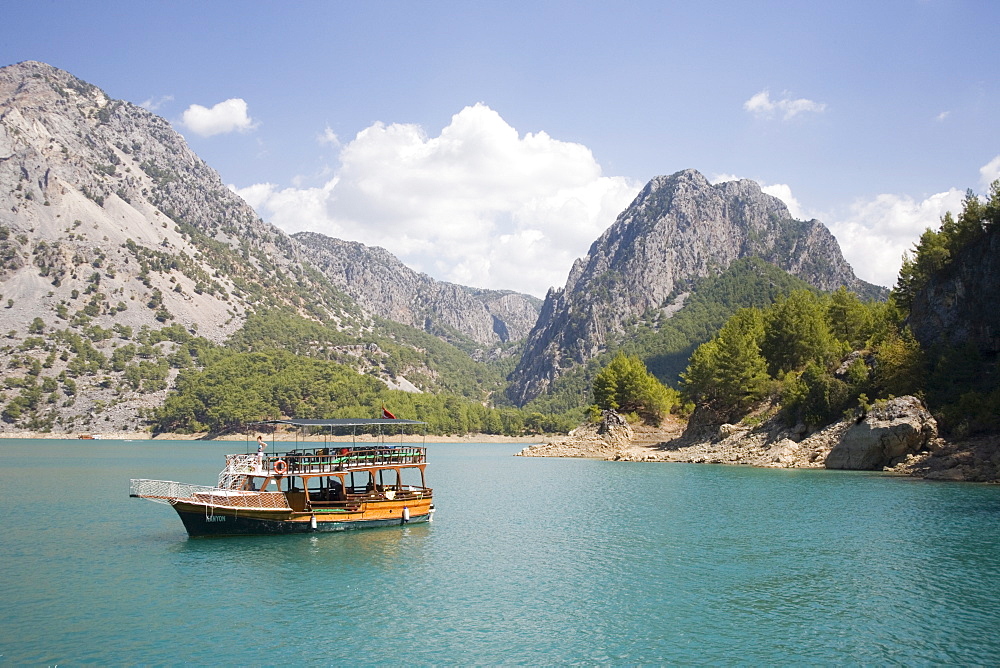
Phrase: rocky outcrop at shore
(898,435)
(970,460)
(887,434)
(610,438)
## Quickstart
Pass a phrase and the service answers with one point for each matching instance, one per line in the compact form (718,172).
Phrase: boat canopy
(353,422)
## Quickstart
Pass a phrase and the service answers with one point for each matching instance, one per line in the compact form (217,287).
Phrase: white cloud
(328,136)
(227,116)
(153,105)
(478,205)
(989,173)
(942,116)
(762,106)
(874,234)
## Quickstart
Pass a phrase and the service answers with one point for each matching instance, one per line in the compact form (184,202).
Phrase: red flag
(387,415)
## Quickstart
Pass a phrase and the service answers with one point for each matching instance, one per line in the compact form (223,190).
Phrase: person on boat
(261,446)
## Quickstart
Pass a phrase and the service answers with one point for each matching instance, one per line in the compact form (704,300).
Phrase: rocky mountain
(382,285)
(107,211)
(679,229)
(118,246)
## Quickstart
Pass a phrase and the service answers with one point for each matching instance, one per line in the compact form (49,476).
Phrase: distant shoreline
(288,437)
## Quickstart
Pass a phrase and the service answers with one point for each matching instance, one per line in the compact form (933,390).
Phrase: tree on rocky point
(626,386)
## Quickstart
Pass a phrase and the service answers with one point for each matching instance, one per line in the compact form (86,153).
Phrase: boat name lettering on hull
(216,518)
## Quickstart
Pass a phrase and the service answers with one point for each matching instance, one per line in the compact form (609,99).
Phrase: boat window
(388,478)
(411,478)
(360,482)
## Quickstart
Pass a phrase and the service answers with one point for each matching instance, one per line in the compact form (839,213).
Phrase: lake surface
(528,561)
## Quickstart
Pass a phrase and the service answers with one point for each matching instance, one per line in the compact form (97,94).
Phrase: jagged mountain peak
(680,228)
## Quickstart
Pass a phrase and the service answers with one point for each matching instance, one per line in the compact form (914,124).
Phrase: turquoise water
(528,561)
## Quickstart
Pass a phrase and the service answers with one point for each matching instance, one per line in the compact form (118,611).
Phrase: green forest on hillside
(751,334)
(961,384)
(280,365)
(824,356)
(468,394)
(664,344)
(242,388)
(801,349)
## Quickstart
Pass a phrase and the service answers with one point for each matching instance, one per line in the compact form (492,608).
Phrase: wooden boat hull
(200,520)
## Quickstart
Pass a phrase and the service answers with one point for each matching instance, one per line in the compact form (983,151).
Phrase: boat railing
(168,491)
(238,467)
(160,491)
(332,460)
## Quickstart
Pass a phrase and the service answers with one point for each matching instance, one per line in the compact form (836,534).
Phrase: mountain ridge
(678,229)
(110,223)
(381,284)
(112,230)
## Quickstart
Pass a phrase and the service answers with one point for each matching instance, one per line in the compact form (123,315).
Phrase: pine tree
(729,371)
(796,332)
(626,386)
(851,321)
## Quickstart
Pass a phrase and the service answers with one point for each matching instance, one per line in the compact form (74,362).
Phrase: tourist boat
(329,486)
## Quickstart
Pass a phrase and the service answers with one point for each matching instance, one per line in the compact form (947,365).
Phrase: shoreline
(289,437)
(975,459)
(772,445)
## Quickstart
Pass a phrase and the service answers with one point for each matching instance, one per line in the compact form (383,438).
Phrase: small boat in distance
(328,486)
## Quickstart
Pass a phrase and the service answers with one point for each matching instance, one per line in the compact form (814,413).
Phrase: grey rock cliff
(110,227)
(92,185)
(678,229)
(957,307)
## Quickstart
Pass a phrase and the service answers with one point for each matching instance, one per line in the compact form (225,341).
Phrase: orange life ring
(280,467)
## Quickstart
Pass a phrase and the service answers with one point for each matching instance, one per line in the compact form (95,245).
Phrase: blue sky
(491,143)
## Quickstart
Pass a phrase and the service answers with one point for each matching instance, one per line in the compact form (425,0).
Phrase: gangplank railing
(168,491)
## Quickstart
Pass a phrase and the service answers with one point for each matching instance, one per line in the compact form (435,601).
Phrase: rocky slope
(679,228)
(102,197)
(110,228)
(79,177)
(384,286)
(118,245)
